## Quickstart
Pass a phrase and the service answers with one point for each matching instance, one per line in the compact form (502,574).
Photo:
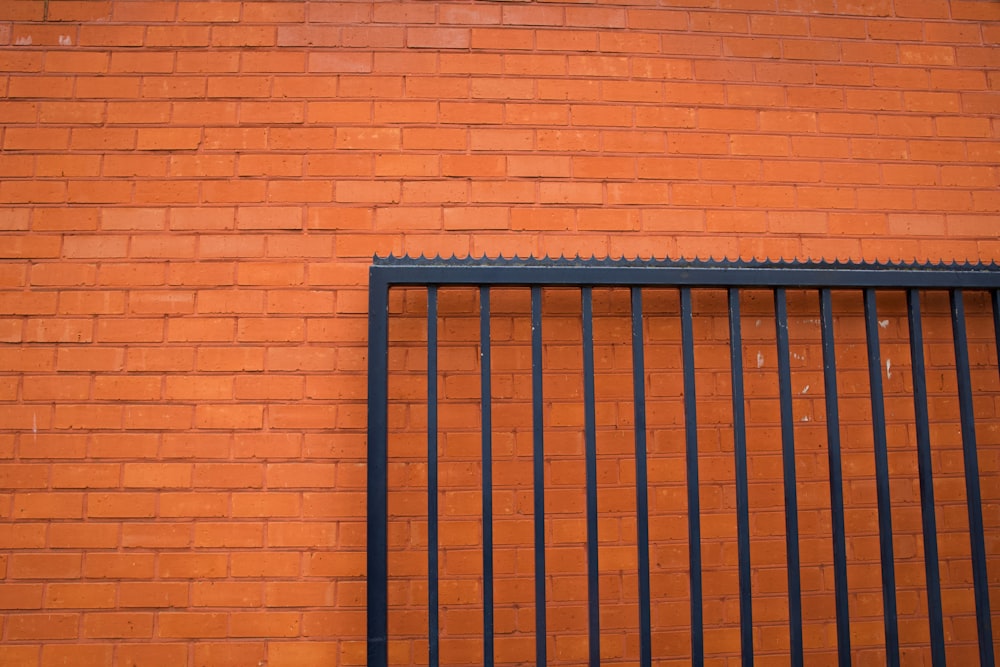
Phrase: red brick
(286,654)
(192,565)
(247,36)
(90,655)
(193,504)
(62,330)
(157,417)
(270,329)
(153,594)
(120,505)
(160,359)
(21,596)
(52,446)
(80,595)
(176,35)
(220,12)
(44,566)
(152,655)
(176,625)
(342,165)
(226,594)
(25,655)
(298,593)
(42,505)
(266,505)
(377,36)
(229,476)
(198,388)
(270,165)
(85,476)
(84,536)
(272,217)
(228,653)
(156,475)
(118,625)
(43,627)
(229,416)
(118,566)
(320,505)
(265,624)
(195,446)
(412,165)
(229,301)
(278,445)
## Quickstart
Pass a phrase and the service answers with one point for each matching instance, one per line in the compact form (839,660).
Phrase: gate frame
(393,271)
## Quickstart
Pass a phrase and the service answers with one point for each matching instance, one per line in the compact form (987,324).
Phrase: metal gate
(820,286)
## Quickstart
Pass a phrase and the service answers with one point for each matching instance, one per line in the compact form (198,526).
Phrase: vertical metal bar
(486,397)
(742,492)
(996,322)
(788,459)
(590,455)
(433,633)
(378,483)
(694,500)
(925,467)
(538,451)
(836,479)
(882,481)
(641,478)
(973,496)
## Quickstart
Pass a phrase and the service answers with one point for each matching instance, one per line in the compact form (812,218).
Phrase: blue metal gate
(687,278)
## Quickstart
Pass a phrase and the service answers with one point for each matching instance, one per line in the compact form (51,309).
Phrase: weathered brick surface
(190,193)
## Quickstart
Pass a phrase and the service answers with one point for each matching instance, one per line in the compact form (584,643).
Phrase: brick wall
(190,193)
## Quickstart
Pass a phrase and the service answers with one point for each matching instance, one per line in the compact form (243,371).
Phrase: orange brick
(23,655)
(120,505)
(63,505)
(153,594)
(272,217)
(229,416)
(192,565)
(85,476)
(84,536)
(226,594)
(76,654)
(118,625)
(44,566)
(228,653)
(152,654)
(278,445)
(195,446)
(192,624)
(118,566)
(22,596)
(176,35)
(228,475)
(265,624)
(43,626)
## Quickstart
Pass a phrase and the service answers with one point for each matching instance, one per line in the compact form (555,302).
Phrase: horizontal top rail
(546,271)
